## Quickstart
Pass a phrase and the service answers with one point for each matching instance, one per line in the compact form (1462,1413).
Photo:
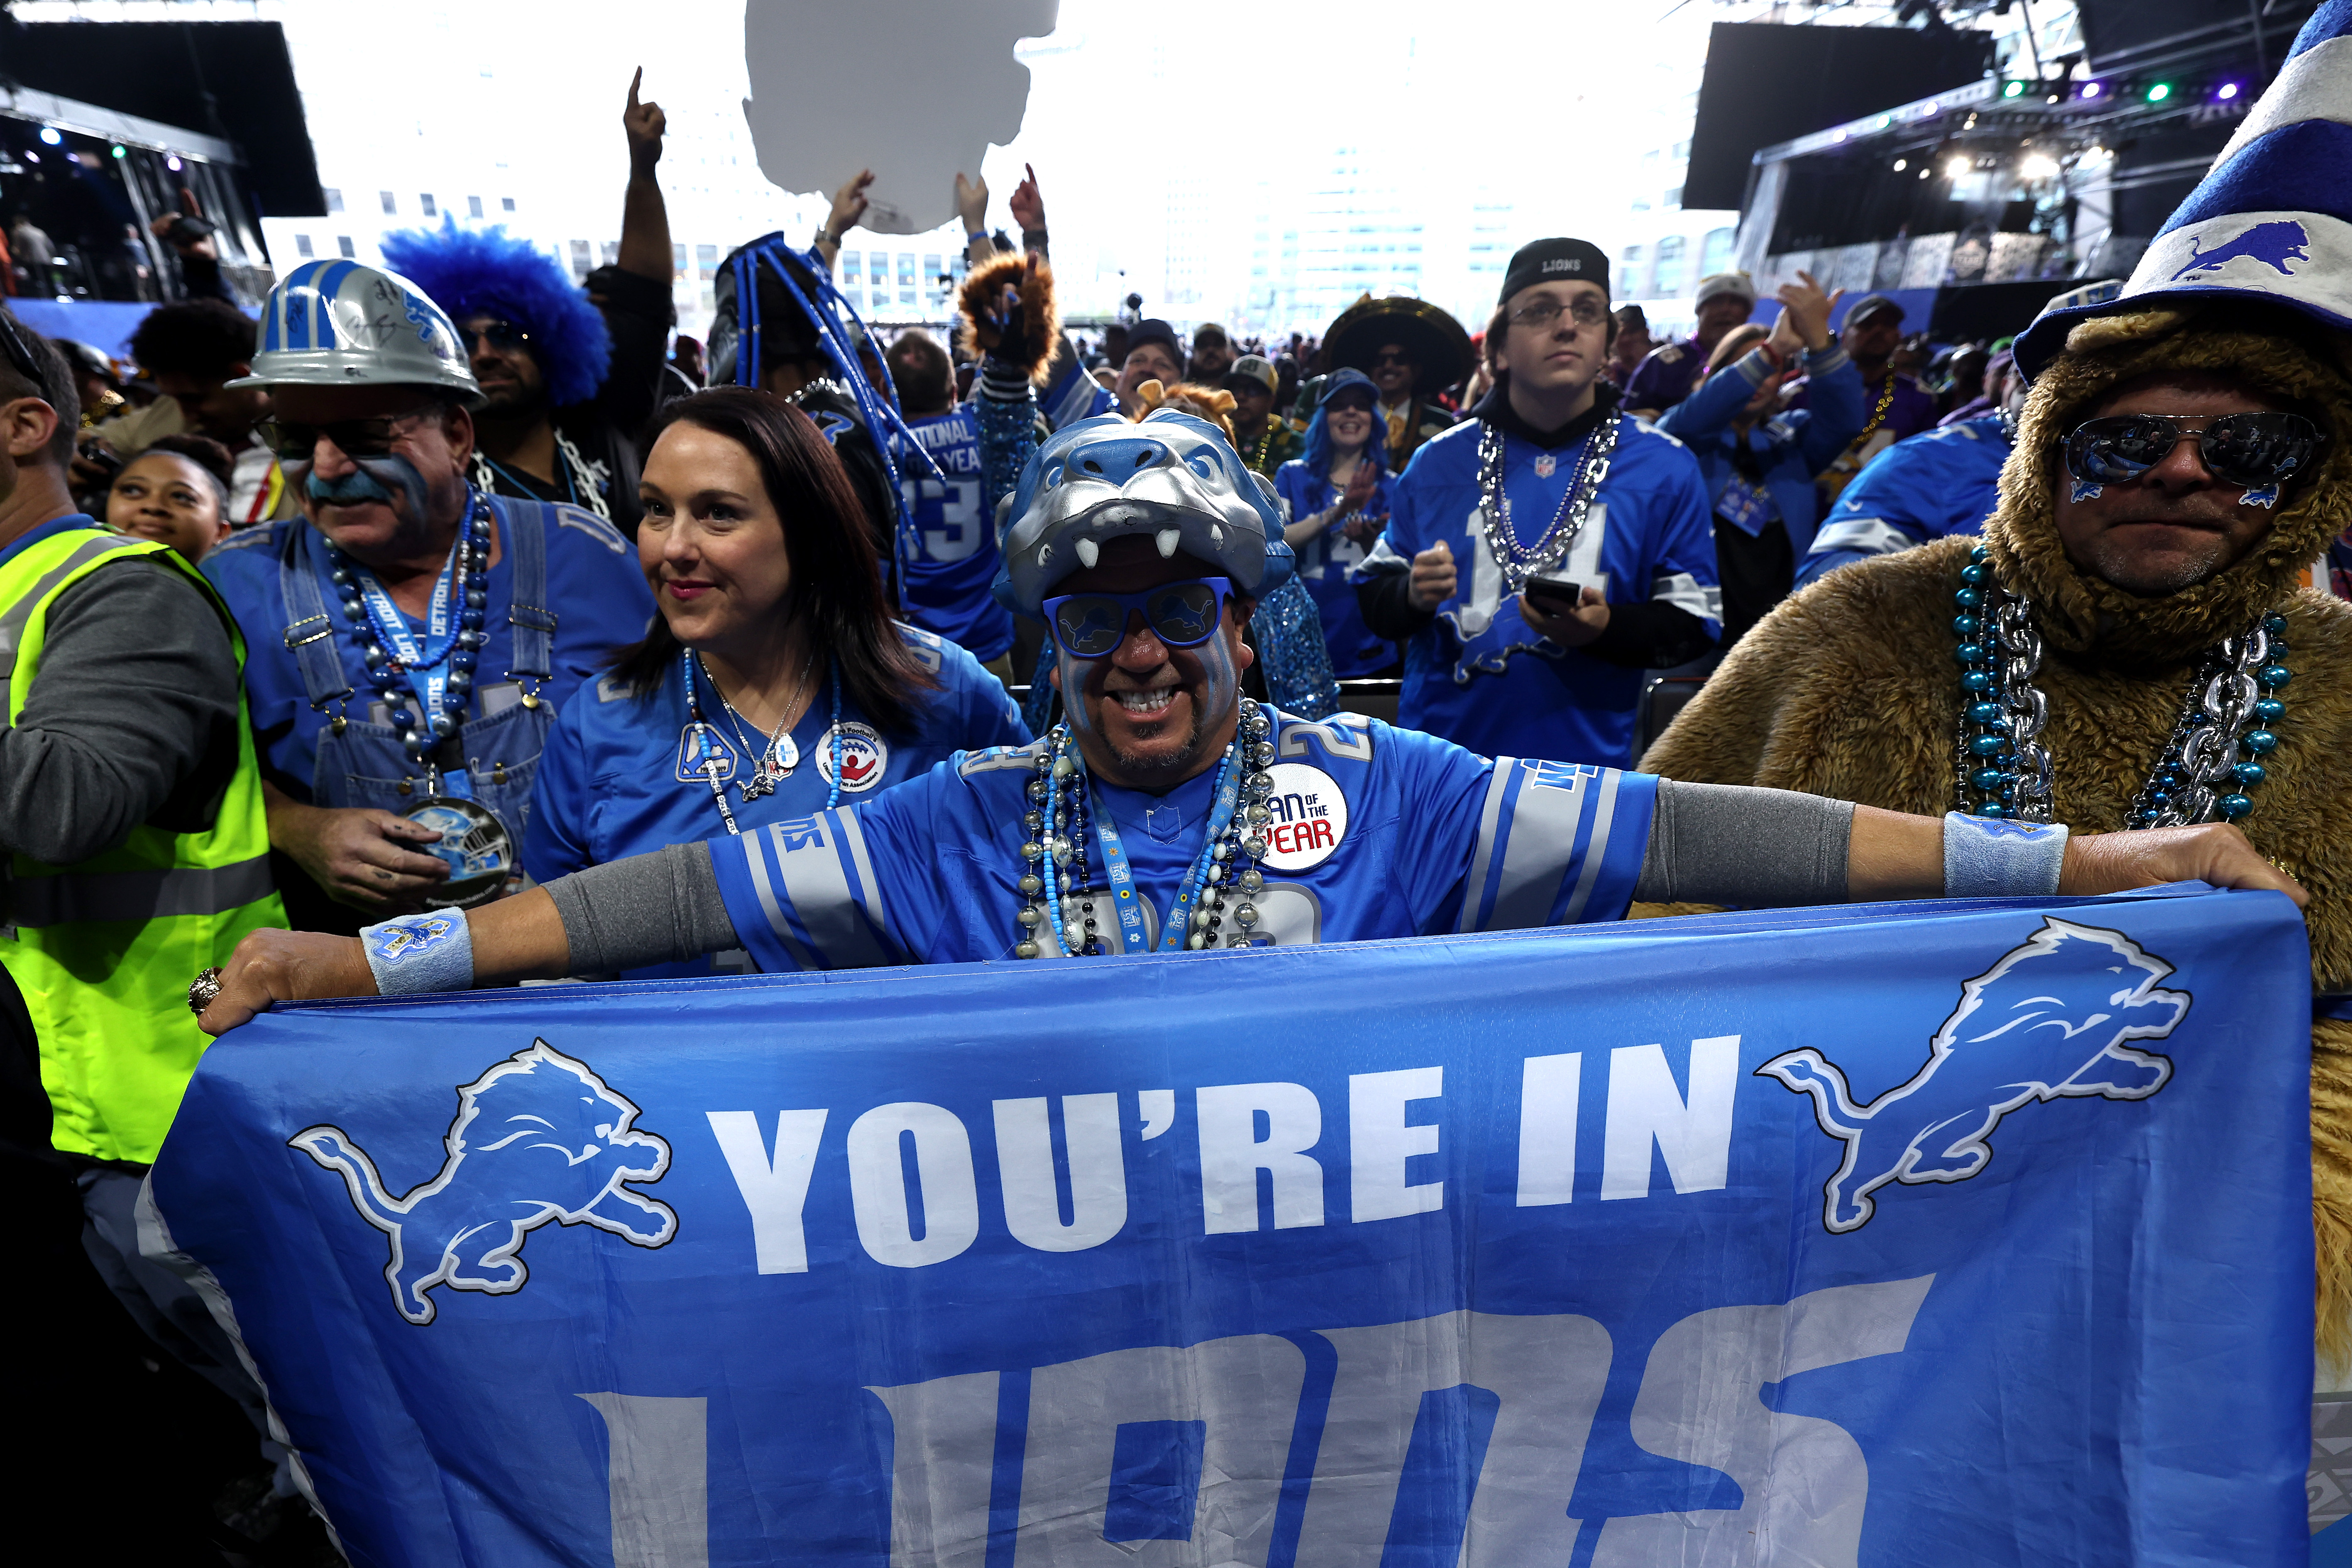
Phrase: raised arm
(644,218)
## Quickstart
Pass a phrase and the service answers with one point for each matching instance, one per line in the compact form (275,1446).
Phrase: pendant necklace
(772,762)
(425,688)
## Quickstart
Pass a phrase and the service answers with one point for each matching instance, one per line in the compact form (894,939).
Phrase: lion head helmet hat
(1174,476)
(2227,289)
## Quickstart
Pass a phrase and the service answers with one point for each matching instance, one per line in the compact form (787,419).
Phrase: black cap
(1154,331)
(1871,305)
(1556,261)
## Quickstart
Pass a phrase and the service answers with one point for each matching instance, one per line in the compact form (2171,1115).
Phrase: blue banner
(1896,1234)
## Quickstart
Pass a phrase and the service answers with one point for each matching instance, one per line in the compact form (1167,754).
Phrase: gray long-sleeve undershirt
(1710,843)
(132,719)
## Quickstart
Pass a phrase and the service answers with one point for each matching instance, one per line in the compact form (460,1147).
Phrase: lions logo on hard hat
(340,324)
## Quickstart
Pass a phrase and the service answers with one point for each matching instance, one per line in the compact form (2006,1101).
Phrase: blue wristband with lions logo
(1993,857)
(432,951)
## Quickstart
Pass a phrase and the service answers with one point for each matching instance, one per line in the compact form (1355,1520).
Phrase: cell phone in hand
(1554,595)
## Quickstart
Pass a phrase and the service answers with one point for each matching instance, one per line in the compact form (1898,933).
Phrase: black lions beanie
(1555,261)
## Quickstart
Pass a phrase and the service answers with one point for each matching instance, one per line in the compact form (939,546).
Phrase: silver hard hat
(344,324)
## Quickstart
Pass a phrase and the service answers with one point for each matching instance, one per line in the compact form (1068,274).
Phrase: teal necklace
(2228,722)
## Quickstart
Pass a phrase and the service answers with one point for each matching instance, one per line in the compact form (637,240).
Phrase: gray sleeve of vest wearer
(1758,849)
(131,719)
(659,908)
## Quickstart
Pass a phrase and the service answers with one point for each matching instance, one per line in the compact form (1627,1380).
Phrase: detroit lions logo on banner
(538,1137)
(2274,244)
(2047,1021)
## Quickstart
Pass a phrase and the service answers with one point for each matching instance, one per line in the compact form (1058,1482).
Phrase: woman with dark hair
(176,491)
(773,682)
(1338,491)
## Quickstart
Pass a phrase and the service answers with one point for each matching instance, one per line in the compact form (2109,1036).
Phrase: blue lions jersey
(1478,674)
(621,777)
(947,583)
(1377,832)
(1075,395)
(1324,563)
(1941,481)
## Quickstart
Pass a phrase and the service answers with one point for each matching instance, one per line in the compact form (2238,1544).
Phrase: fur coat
(1850,689)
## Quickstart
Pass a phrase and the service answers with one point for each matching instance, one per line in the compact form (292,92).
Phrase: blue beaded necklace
(2214,756)
(454,635)
(1057,881)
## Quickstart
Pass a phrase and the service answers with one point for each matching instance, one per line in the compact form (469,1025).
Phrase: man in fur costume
(2137,554)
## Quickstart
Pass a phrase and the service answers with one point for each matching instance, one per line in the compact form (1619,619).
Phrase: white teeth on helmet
(1088,551)
(1168,539)
(1217,535)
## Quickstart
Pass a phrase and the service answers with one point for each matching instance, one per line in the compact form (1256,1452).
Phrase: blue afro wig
(473,272)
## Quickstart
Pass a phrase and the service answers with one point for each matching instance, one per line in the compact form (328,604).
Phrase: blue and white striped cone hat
(2271,221)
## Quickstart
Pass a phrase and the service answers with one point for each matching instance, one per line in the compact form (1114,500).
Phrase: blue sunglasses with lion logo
(1182,614)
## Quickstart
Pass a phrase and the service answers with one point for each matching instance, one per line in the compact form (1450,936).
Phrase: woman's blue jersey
(619,775)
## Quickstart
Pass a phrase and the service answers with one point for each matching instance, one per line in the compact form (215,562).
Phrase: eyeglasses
(2249,449)
(371,437)
(502,336)
(1390,357)
(1180,615)
(1587,311)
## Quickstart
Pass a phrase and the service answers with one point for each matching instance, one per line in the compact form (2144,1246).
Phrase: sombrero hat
(1435,340)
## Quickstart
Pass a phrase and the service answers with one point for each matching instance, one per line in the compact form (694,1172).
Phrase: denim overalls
(494,755)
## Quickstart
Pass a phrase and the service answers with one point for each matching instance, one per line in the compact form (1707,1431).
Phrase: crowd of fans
(541,586)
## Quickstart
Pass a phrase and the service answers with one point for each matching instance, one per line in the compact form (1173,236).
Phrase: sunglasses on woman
(2253,450)
(1180,615)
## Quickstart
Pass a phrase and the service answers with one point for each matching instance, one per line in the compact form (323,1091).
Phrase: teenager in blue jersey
(1589,497)
(411,637)
(953,543)
(1169,813)
(1340,491)
(775,683)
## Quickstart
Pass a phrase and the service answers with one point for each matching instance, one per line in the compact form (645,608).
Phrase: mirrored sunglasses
(2248,449)
(1180,615)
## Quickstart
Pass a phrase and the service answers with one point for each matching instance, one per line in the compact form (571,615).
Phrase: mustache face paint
(373,479)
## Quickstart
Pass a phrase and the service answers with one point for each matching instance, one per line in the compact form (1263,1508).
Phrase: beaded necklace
(710,754)
(1519,564)
(454,636)
(2213,757)
(1058,878)
(1886,402)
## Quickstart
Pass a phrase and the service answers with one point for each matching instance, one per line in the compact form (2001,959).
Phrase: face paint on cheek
(2084,490)
(1077,706)
(1220,680)
(2263,495)
(398,473)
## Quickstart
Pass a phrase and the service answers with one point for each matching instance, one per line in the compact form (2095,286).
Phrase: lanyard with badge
(1127,897)
(437,676)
